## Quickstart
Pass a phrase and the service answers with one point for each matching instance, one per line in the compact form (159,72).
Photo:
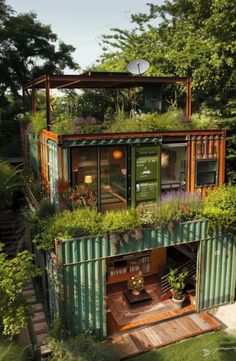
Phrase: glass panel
(173,168)
(207,172)
(84,169)
(113,169)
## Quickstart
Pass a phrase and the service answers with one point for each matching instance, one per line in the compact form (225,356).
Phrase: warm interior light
(164,159)
(88,179)
(117,154)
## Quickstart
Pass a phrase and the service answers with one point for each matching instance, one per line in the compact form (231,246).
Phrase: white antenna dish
(138,67)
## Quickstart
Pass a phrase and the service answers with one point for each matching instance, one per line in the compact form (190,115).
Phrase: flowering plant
(71,198)
(136,282)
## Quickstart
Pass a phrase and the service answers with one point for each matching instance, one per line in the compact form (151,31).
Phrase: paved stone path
(227,316)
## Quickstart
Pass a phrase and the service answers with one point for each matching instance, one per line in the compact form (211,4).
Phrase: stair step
(28,286)
(31,299)
(37,307)
(38,317)
(45,350)
(29,292)
(40,327)
(40,338)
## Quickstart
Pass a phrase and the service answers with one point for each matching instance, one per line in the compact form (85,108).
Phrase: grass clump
(11,351)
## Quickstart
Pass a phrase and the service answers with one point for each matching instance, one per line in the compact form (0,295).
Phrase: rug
(124,313)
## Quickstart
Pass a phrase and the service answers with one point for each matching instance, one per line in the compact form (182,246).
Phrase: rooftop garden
(127,225)
(102,112)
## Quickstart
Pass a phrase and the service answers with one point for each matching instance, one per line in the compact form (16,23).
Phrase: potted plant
(136,283)
(176,281)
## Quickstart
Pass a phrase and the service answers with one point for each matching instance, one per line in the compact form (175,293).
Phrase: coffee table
(143,297)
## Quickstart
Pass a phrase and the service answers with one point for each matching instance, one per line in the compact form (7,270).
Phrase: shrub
(66,225)
(174,207)
(83,347)
(123,225)
(120,221)
(220,207)
(13,275)
(71,198)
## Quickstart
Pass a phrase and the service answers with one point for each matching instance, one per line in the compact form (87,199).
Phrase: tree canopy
(195,38)
(28,49)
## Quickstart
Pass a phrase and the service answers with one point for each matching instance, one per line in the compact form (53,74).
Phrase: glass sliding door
(113,177)
(173,167)
(84,167)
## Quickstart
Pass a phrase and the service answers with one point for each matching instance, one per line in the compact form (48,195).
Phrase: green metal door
(145,174)
(84,296)
(216,275)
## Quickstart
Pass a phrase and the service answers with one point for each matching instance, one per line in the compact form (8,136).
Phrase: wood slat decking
(163,333)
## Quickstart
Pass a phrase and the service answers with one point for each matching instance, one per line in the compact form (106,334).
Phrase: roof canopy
(100,80)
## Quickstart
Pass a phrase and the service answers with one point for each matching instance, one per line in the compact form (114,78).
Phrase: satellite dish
(138,67)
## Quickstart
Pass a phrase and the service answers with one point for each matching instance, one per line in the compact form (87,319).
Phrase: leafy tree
(13,275)
(28,49)
(194,38)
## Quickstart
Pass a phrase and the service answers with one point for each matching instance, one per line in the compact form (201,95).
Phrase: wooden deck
(161,334)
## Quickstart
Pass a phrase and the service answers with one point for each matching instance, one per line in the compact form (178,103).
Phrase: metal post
(47,87)
(188,98)
(33,101)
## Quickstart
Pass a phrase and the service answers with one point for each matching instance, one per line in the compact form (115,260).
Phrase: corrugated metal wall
(216,271)
(87,248)
(84,292)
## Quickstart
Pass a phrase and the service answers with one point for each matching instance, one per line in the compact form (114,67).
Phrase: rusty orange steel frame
(202,145)
(95,80)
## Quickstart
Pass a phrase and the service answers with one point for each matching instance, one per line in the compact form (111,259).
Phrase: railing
(191,268)
(32,201)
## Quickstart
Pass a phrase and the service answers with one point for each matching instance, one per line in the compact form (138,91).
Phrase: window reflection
(173,168)
(113,170)
(84,169)
(207,172)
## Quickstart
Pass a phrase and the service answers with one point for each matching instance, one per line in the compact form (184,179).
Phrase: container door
(54,285)
(216,271)
(85,290)
(145,174)
(53,171)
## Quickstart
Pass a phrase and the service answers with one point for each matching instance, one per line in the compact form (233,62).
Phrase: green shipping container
(83,271)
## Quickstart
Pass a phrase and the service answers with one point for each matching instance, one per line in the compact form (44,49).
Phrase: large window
(207,172)
(173,167)
(104,172)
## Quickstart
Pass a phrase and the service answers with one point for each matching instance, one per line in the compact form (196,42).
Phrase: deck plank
(164,333)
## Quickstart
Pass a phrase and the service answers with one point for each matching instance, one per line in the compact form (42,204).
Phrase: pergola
(98,80)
